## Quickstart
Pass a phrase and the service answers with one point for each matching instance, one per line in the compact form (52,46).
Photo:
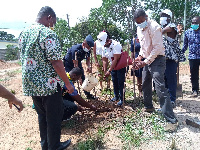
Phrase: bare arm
(114,62)
(166,29)
(94,52)
(75,63)
(59,68)
(105,63)
(4,93)
(88,62)
(83,103)
(171,32)
(112,66)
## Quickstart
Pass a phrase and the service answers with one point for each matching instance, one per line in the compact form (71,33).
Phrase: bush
(12,52)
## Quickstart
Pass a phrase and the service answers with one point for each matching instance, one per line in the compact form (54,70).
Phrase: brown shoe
(171,127)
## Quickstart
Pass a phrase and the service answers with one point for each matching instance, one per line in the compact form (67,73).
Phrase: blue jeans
(156,71)
(171,78)
(118,79)
(50,114)
(194,72)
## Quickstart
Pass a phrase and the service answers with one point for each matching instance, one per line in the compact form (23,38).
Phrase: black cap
(89,40)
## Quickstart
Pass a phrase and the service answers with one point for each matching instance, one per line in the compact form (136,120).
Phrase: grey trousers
(156,72)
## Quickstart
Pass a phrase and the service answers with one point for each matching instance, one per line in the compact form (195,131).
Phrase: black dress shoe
(64,145)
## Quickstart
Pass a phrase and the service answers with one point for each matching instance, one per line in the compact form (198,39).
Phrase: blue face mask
(141,25)
(195,26)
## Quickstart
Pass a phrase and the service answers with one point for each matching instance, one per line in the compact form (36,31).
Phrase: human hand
(138,64)
(97,64)
(106,74)
(16,102)
(70,88)
(89,70)
(93,108)
(80,81)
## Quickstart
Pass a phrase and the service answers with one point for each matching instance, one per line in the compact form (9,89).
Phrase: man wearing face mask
(152,50)
(192,40)
(76,54)
(173,53)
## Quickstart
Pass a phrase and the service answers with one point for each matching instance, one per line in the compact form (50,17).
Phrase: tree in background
(6,37)
(117,16)
(12,52)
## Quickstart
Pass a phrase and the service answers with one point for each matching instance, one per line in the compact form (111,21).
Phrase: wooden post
(134,70)
(79,90)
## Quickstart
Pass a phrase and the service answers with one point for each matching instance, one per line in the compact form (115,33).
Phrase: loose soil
(19,131)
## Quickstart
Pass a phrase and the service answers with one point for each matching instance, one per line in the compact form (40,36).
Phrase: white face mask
(86,50)
(163,21)
(141,25)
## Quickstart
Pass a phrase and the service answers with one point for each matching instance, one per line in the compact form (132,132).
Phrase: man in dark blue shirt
(70,108)
(192,39)
(76,54)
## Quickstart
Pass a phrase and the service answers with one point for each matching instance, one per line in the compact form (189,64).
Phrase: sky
(17,14)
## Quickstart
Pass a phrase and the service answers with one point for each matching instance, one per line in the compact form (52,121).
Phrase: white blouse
(115,48)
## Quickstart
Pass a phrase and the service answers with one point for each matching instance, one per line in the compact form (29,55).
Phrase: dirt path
(19,131)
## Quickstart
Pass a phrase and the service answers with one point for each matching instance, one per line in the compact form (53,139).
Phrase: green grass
(69,124)
(129,93)
(139,128)
(13,73)
(94,142)
(107,91)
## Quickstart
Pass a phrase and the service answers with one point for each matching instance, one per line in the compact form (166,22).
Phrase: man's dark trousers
(194,72)
(118,79)
(156,71)
(50,113)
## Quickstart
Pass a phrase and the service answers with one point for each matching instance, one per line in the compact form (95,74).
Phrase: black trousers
(194,73)
(50,113)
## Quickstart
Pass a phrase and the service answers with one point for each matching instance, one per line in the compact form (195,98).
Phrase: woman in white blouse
(112,51)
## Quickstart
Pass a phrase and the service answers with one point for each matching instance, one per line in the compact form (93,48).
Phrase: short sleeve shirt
(115,48)
(38,46)
(99,48)
(70,56)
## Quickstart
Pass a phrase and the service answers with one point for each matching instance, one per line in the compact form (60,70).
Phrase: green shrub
(11,53)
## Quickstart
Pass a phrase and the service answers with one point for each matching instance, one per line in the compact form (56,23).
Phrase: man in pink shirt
(152,50)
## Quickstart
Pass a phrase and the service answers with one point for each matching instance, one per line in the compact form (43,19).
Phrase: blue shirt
(70,56)
(137,46)
(75,91)
(192,39)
